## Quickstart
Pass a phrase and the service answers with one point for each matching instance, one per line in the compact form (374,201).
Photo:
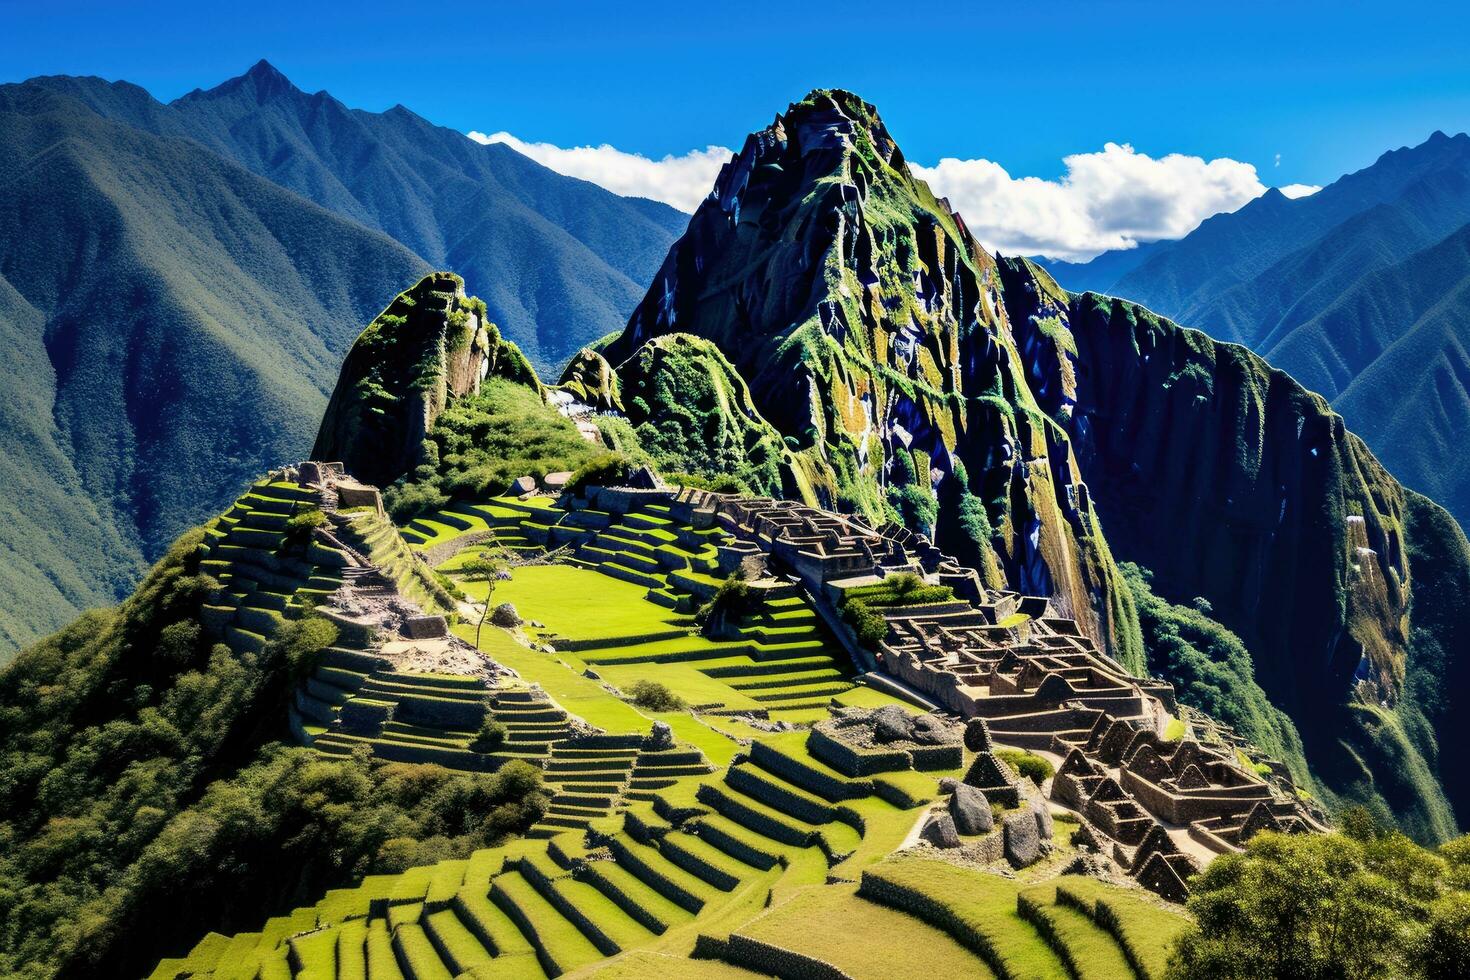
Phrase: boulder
(505,615)
(660,739)
(555,481)
(1042,814)
(977,735)
(644,478)
(971,811)
(521,485)
(947,784)
(891,724)
(1021,842)
(930,730)
(940,831)
(425,627)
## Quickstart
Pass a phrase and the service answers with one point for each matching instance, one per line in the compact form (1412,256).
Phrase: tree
(1374,904)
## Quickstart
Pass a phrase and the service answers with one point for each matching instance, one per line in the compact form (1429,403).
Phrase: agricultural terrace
(741,850)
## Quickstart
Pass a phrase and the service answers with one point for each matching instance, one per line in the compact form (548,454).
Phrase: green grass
(578,603)
(979,910)
(1090,952)
(861,938)
(1139,922)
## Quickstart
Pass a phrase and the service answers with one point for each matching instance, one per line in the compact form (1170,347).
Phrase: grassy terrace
(697,858)
(264,580)
(732,866)
(622,602)
(647,859)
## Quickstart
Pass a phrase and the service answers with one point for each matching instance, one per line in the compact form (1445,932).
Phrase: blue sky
(1023,85)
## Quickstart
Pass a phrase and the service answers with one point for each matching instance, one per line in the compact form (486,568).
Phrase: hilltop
(231,244)
(1350,290)
(867,598)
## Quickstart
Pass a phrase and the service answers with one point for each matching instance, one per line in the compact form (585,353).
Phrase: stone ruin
(1036,681)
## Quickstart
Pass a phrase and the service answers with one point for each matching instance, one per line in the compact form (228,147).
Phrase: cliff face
(869,326)
(430,346)
(1231,482)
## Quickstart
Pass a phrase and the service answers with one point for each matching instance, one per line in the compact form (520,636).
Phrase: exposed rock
(505,615)
(891,724)
(521,485)
(555,481)
(947,784)
(425,627)
(977,735)
(1022,843)
(660,738)
(1042,814)
(940,831)
(592,382)
(823,203)
(971,811)
(930,730)
(432,345)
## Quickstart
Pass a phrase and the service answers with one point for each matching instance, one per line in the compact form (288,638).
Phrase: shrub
(300,644)
(733,599)
(480,568)
(300,525)
(869,626)
(1027,764)
(490,737)
(655,696)
(608,469)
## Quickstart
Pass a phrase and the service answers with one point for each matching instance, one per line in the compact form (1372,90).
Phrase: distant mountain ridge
(1338,289)
(479,210)
(179,283)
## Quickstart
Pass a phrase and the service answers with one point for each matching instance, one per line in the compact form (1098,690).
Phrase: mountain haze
(169,312)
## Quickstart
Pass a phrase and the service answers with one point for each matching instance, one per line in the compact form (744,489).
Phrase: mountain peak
(268,80)
(263,81)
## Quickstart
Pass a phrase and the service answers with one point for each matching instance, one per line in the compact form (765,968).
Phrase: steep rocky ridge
(432,344)
(868,324)
(1232,482)
(1359,292)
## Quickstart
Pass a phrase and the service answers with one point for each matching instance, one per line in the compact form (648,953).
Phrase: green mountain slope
(1398,341)
(1187,278)
(1356,289)
(1231,482)
(558,261)
(866,321)
(168,313)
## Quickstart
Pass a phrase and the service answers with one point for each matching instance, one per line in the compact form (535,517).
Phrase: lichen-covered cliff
(869,326)
(1232,482)
(431,345)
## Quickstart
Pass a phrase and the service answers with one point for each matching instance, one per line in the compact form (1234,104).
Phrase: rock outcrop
(431,345)
(869,326)
(1233,483)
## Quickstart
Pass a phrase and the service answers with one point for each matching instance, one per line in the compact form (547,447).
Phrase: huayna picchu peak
(862,603)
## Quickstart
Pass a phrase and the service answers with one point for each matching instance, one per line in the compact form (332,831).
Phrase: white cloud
(1114,198)
(1110,199)
(1299,190)
(680,181)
